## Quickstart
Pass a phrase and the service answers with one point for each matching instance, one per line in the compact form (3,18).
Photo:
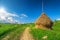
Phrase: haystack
(43,22)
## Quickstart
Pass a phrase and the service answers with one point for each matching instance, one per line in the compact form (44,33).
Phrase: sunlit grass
(40,34)
(14,31)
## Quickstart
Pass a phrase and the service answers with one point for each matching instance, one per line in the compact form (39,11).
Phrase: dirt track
(26,35)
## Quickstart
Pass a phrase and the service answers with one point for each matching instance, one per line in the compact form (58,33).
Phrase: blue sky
(29,10)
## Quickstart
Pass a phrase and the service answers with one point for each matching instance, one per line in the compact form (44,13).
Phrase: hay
(43,22)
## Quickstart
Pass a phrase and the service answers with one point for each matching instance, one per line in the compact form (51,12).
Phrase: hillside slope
(14,32)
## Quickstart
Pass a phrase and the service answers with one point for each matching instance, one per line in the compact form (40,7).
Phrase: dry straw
(43,22)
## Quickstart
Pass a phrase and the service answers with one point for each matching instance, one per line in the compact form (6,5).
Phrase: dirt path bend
(26,35)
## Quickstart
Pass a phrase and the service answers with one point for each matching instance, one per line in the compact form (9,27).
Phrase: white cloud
(6,16)
(10,20)
(23,16)
(5,13)
(2,18)
(58,19)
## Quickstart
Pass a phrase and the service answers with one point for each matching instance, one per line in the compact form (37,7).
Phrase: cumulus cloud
(10,20)
(6,16)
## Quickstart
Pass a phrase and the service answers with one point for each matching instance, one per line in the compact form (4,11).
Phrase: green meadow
(54,34)
(14,31)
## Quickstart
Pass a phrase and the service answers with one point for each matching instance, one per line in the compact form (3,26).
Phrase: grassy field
(14,31)
(40,34)
(11,31)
